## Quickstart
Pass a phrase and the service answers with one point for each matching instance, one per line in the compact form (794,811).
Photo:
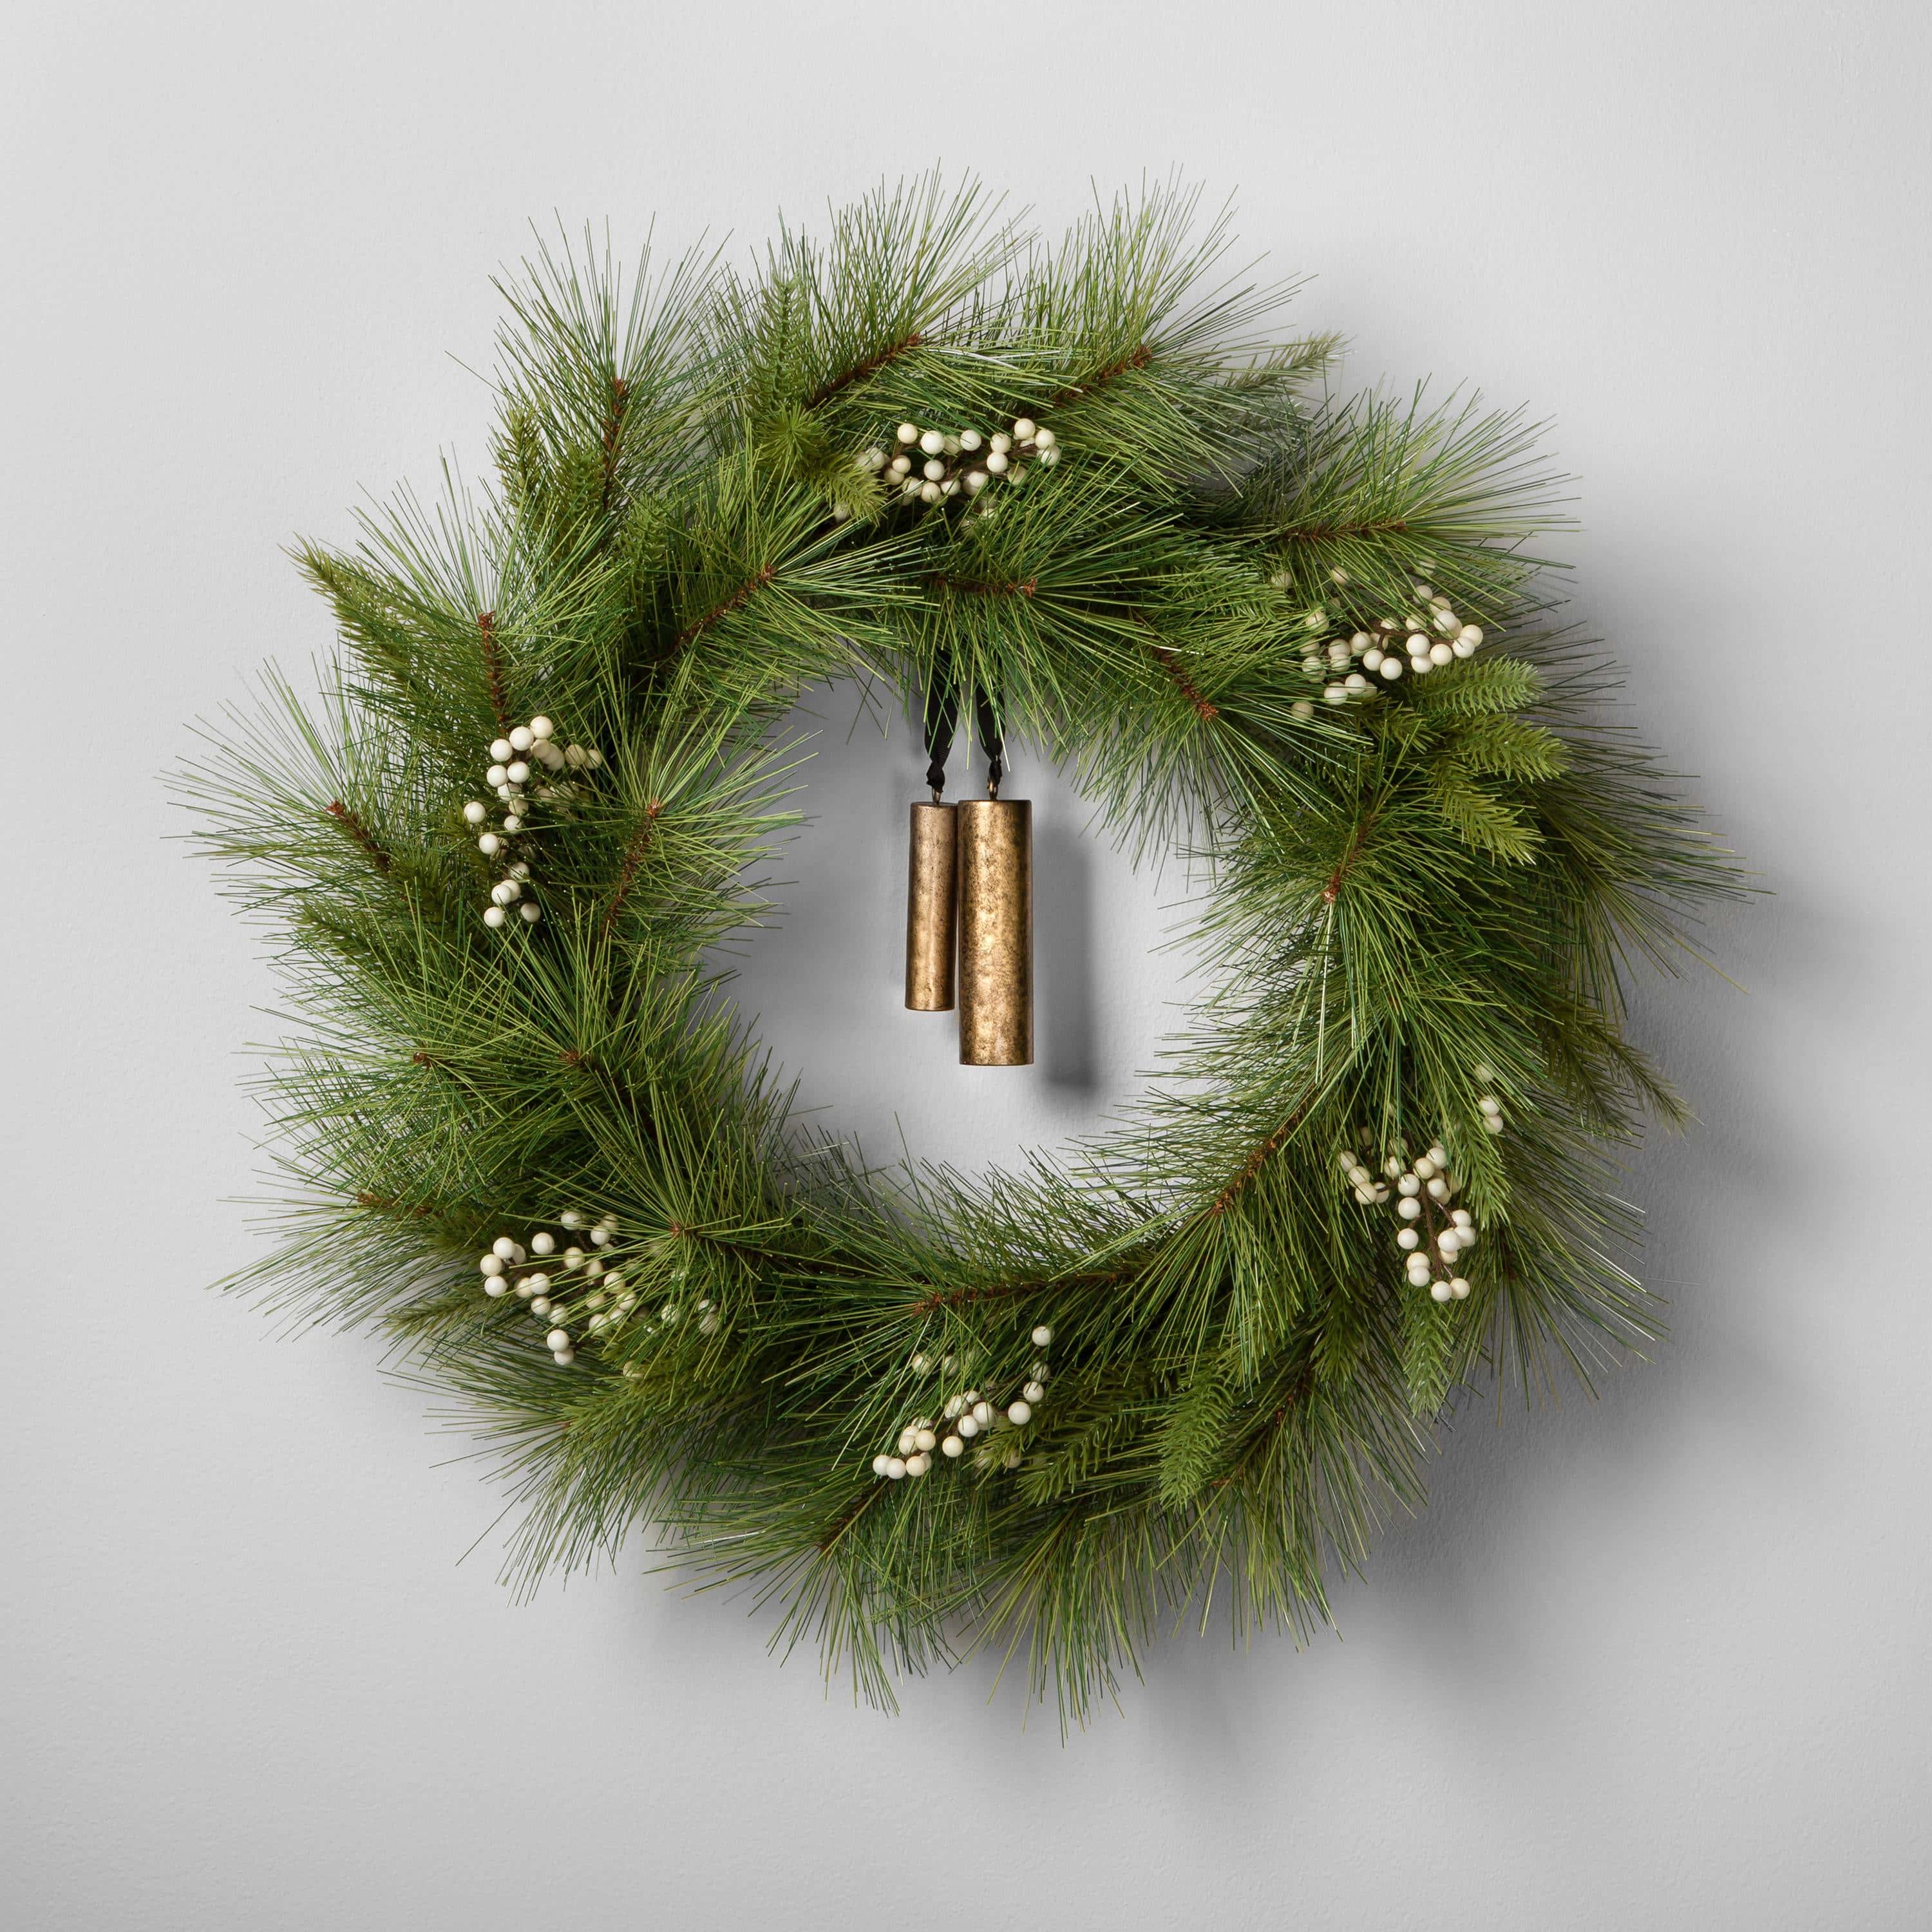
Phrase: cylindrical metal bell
(995,932)
(932,898)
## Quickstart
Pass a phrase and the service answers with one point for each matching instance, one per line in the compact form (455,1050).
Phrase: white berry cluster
(580,1290)
(1432,1233)
(932,464)
(965,1415)
(1424,643)
(510,760)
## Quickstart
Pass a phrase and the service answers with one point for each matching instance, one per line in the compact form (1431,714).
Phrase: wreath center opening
(820,980)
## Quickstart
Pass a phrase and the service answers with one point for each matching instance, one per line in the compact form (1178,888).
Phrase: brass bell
(995,865)
(932,898)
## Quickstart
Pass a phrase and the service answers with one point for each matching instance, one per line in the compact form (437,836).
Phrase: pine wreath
(1302,638)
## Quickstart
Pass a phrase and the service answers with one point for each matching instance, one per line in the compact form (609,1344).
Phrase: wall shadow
(1063,921)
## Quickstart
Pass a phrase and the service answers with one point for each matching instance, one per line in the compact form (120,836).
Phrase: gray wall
(1653,1659)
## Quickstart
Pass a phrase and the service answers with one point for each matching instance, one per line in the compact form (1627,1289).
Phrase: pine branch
(1189,1443)
(1137,357)
(1003,1291)
(635,849)
(611,436)
(1169,662)
(1265,1153)
(1258,1441)
(835,1531)
(1332,890)
(738,599)
(837,385)
(1323,533)
(492,670)
(1479,818)
(364,840)
(968,587)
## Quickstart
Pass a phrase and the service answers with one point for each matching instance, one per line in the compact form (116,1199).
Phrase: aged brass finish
(932,898)
(995,932)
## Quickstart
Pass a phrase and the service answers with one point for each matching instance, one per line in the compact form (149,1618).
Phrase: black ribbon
(942,720)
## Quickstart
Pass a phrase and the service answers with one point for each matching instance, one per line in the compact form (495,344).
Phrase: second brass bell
(994,863)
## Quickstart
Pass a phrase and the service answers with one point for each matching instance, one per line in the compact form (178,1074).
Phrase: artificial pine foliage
(1175,1373)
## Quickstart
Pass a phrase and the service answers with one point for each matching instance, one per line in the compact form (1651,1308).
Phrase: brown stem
(1350,853)
(968,587)
(634,857)
(870,366)
(848,1516)
(360,832)
(1292,1398)
(389,1203)
(738,596)
(999,1290)
(1169,660)
(1258,1159)
(1135,358)
(614,425)
(492,670)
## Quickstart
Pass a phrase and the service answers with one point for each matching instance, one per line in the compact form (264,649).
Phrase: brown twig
(492,670)
(848,1516)
(387,1203)
(744,591)
(360,832)
(1258,1159)
(968,587)
(870,366)
(614,425)
(634,857)
(1169,660)
(1292,1398)
(998,1291)
(1135,358)
(1350,853)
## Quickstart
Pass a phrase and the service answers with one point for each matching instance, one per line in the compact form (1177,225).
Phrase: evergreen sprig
(1423,894)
